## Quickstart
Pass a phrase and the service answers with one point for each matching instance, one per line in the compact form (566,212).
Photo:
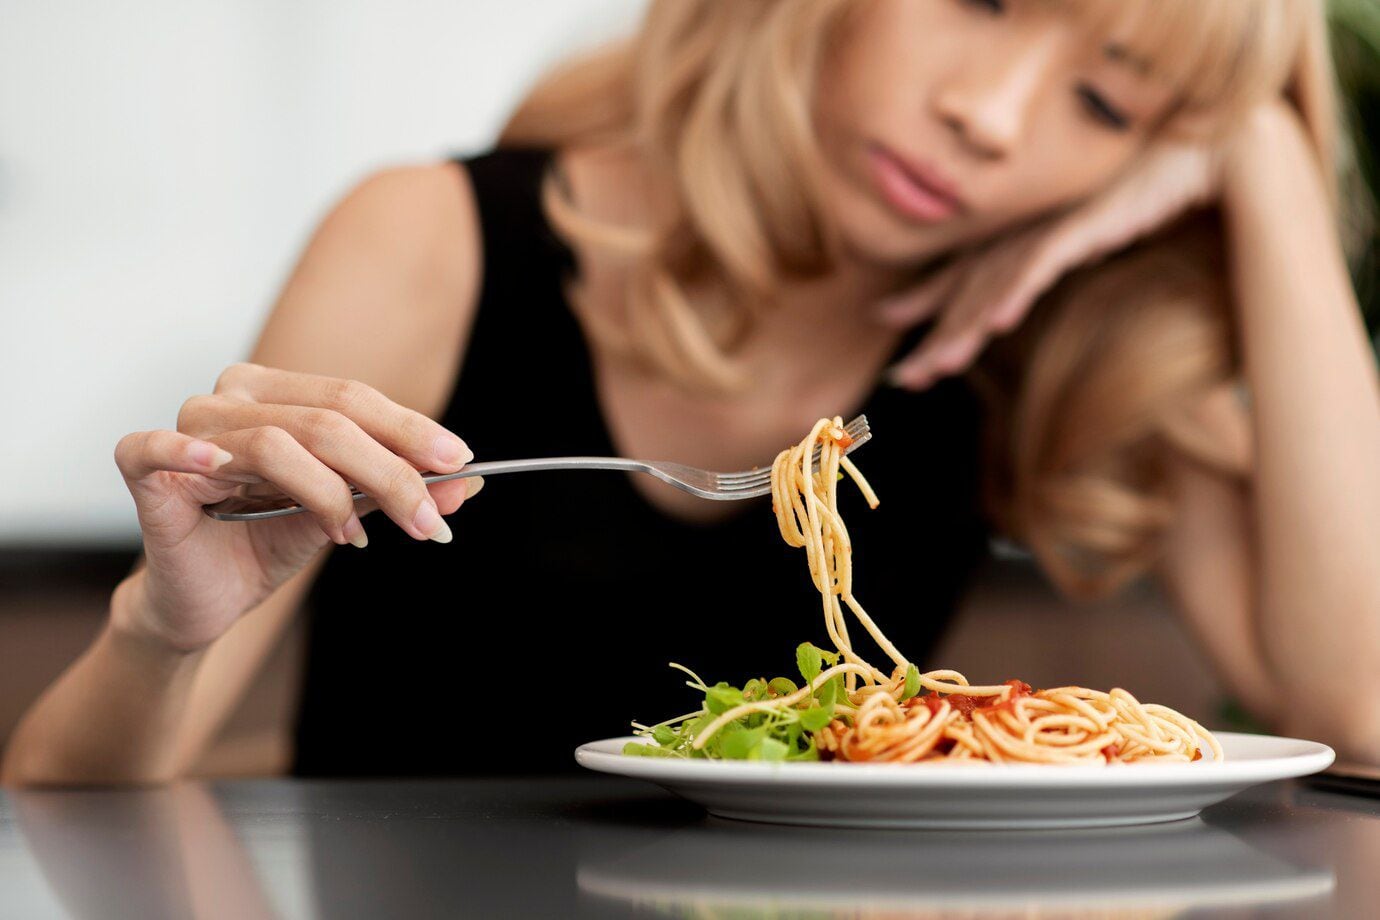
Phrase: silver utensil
(704,483)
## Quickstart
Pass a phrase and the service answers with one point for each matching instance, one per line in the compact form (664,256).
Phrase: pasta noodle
(881,716)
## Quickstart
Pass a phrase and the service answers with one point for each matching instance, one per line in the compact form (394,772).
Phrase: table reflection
(148,854)
(555,847)
(730,869)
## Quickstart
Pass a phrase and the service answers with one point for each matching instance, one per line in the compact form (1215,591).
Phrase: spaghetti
(853,711)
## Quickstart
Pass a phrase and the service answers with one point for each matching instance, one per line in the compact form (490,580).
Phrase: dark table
(595,847)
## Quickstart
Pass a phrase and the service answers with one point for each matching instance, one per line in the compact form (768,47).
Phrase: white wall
(160,165)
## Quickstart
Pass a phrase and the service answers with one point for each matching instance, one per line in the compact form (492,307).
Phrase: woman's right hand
(307,435)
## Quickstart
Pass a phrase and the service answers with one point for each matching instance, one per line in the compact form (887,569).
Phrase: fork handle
(271,505)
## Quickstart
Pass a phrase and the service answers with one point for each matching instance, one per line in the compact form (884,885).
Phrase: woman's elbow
(1350,724)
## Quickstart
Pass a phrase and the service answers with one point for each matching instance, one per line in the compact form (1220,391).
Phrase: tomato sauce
(1019,689)
(967,705)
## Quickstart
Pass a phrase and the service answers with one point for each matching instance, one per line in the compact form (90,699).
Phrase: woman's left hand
(989,291)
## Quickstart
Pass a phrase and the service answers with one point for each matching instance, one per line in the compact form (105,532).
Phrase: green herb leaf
(739,745)
(794,731)
(912,682)
(770,749)
(807,660)
(664,736)
(815,719)
(782,686)
(829,694)
(721,697)
(633,749)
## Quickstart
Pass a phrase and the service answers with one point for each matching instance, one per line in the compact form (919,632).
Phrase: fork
(704,483)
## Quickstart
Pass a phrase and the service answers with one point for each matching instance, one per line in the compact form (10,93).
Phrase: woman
(691,247)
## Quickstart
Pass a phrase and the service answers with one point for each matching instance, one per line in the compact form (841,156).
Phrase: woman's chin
(885,247)
(874,236)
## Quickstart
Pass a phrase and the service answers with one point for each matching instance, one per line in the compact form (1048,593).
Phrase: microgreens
(784,733)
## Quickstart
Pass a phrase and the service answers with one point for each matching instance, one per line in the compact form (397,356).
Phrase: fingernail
(451,451)
(904,376)
(474,484)
(954,357)
(899,314)
(353,531)
(204,453)
(430,524)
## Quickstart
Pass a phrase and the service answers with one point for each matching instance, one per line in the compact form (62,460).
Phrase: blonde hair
(1087,402)
(716,96)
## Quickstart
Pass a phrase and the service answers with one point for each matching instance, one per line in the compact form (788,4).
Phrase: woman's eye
(1102,110)
(995,7)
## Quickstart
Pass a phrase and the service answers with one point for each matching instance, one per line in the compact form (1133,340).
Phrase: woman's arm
(384,294)
(157,853)
(1308,534)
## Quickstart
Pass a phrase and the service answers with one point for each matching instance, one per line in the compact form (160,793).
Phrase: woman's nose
(988,102)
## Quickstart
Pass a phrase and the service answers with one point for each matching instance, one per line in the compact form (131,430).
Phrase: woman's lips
(915,190)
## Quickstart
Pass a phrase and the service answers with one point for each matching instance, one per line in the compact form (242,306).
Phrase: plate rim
(1308,757)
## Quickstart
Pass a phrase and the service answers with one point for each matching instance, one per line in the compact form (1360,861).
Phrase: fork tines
(857,429)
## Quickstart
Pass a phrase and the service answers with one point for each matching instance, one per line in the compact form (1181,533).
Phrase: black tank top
(550,619)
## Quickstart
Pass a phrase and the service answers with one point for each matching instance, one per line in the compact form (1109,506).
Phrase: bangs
(1217,54)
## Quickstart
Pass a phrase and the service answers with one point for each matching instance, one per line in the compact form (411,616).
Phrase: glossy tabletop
(596,847)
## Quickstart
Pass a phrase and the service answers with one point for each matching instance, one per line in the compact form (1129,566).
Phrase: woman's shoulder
(421,218)
(386,286)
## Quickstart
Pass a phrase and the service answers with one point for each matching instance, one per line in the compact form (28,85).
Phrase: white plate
(971,796)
